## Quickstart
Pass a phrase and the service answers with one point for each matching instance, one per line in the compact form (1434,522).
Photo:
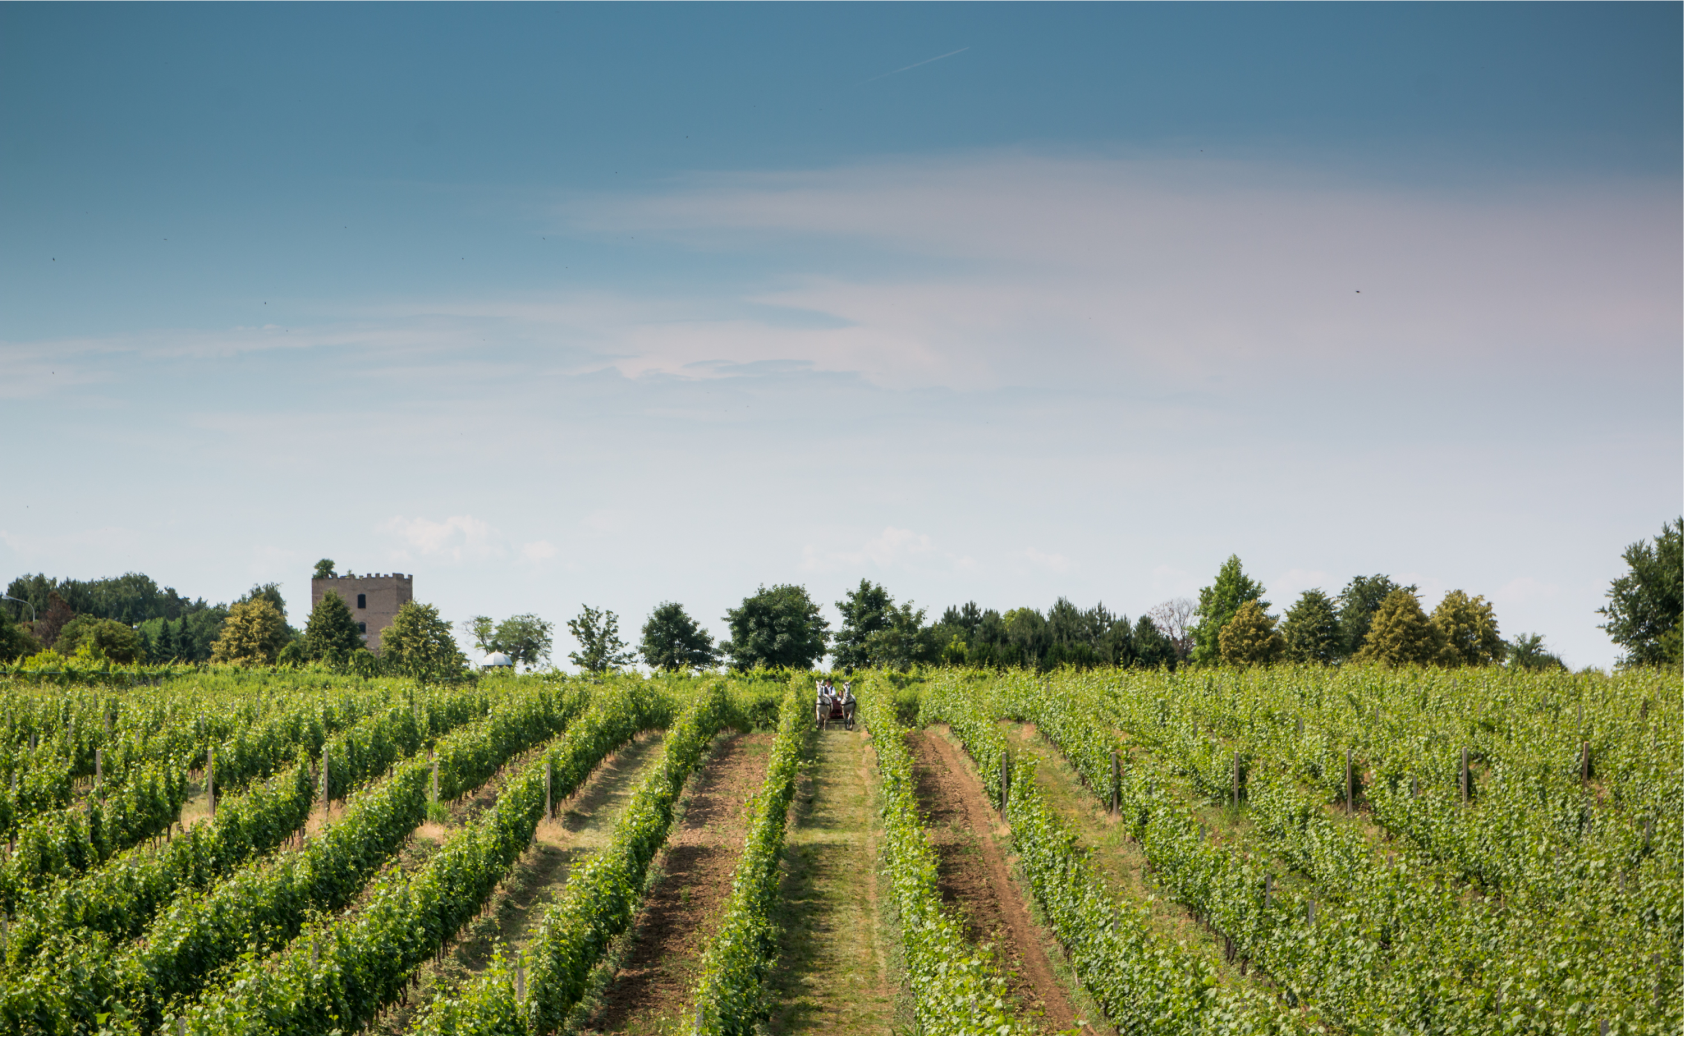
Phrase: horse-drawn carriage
(834,705)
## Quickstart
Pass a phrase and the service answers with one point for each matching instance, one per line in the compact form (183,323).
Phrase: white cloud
(457,538)
(1056,562)
(538,551)
(893,548)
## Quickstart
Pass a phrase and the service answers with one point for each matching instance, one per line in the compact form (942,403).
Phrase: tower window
(362,627)
(362,601)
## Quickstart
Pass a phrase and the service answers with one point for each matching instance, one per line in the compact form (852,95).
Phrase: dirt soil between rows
(671,933)
(974,876)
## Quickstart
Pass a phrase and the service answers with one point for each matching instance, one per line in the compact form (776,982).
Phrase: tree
(1250,638)
(1217,605)
(331,632)
(58,613)
(1527,652)
(1470,633)
(1358,602)
(674,641)
(1311,630)
(1152,647)
(1645,604)
(484,632)
(1171,618)
(253,635)
(901,641)
(865,610)
(600,647)
(1400,634)
(324,570)
(525,639)
(270,592)
(780,626)
(115,641)
(420,644)
(15,642)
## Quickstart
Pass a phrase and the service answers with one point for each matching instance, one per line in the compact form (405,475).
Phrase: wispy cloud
(914,65)
(456,539)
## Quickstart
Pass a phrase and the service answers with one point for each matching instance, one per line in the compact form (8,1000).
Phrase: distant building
(374,600)
(497,661)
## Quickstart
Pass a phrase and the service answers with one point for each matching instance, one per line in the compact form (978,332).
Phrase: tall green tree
(1358,603)
(1400,634)
(865,610)
(600,647)
(1311,630)
(419,644)
(674,641)
(1527,652)
(15,641)
(483,630)
(902,641)
(253,635)
(1152,647)
(1470,632)
(777,626)
(324,570)
(331,632)
(1250,638)
(1217,605)
(526,639)
(1646,603)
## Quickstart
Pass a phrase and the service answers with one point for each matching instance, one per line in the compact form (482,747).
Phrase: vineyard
(1274,850)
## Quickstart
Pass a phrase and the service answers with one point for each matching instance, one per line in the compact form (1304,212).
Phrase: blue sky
(623,304)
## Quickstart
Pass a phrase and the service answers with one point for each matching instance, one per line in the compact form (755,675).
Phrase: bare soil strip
(583,824)
(651,990)
(834,973)
(973,874)
(1116,857)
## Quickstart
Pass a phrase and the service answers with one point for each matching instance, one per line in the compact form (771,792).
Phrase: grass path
(584,824)
(836,971)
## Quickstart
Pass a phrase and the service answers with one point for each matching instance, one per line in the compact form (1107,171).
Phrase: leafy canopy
(1217,605)
(331,632)
(419,644)
(1401,634)
(672,640)
(1645,604)
(324,570)
(1311,631)
(778,626)
(1250,638)
(1470,630)
(253,634)
(866,610)
(600,647)
(526,639)
(1358,602)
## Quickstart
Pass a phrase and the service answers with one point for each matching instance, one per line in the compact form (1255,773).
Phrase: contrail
(915,64)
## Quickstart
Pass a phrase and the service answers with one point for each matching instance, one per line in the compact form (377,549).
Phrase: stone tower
(374,600)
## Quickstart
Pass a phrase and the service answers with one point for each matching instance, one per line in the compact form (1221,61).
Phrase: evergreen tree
(163,648)
(331,632)
(1311,630)
(777,626)
(1401,634)
(1470,633)
(1250,638)
(674,641)
(865,610)
(420,644)
(1358,602)
(1217,605)
(1152,647)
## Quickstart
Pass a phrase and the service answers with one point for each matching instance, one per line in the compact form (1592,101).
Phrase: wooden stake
(99,767)
(435,776)
(1116,782)
(549,812)
(1584,761)
(520,983)
(1268,890)
(1464,775)
(1300,727)
(1005,781)
(210,778)
(1310,912)
(326,803)
(1350,785)
(1236,777)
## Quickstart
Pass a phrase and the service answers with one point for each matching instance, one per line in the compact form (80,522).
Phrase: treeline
(125,619)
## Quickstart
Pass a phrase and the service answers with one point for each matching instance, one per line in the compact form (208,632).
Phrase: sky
(556,305)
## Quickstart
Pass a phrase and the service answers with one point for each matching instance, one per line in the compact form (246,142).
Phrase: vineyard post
(210,778)
(1268,890)
(1584,761)
(435,760)
(326,803)
(1300,727)
(520,983)
(1005,781)
(108,722)
(549,810)
(99,767)
(1464,775)
(1236,777)
(1310,912)
(1350,785)
(1116,782)
(1648,833)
